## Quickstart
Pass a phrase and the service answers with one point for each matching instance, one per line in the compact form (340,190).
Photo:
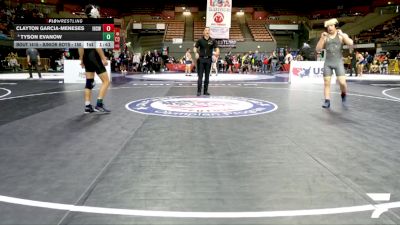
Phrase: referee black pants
(203,65)
(35,65)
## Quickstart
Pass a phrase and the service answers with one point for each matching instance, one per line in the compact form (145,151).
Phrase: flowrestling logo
(195,107)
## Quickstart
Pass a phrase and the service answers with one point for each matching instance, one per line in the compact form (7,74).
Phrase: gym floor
(296,164)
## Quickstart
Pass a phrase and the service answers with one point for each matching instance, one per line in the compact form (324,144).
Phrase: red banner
(117,38)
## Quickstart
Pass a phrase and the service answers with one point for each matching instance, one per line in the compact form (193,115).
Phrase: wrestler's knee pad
(89,84)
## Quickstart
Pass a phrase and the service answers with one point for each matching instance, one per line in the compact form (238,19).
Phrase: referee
(204,49)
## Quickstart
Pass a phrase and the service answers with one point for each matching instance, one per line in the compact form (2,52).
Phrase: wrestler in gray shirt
(332,40)
(334,58)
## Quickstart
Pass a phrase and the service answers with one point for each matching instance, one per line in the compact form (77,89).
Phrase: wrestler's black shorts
(92,62)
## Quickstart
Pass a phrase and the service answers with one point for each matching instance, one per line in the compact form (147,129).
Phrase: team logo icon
(195,107)
(301,72)
(218,17)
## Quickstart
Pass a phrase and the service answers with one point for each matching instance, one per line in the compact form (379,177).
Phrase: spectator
(273,59)
(13,62)
(265,64)
(288,57)
(136,62)
(368,60)
(384,65)
(123,58)
(353,58)
(188,62)
(156,61)
(229,62)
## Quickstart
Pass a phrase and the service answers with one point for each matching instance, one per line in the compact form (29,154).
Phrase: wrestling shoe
(326,104)
(89,109)
(101,108)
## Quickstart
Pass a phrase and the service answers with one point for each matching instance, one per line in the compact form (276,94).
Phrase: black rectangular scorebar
(75,31)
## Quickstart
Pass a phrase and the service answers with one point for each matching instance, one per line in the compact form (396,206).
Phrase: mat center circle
(201,107)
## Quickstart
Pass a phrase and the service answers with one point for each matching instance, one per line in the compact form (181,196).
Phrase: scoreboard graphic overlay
(66,33)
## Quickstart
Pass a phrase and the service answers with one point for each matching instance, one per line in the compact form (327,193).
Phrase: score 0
(108,36)
(108,32)
(108,27)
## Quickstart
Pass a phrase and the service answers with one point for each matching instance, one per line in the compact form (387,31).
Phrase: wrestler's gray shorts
(338,67)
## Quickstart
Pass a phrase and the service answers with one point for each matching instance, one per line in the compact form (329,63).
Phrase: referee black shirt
(206,47)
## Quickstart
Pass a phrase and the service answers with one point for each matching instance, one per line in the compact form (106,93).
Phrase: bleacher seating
(174,29)
(258,28)
(198,28)
(384,33)
(271,21)
(234,32)
(281,10)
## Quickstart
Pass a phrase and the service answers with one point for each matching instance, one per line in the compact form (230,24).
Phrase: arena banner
(219,32)
(226,43)
(307,72)
(74,73)
(219,13)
